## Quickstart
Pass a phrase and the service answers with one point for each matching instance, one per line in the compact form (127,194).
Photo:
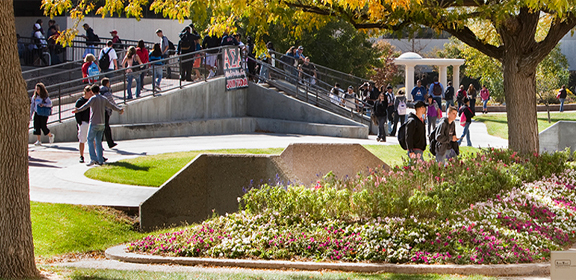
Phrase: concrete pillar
(443,73)
(409,80)
(456,77)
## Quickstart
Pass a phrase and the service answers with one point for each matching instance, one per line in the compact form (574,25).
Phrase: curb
(540,269)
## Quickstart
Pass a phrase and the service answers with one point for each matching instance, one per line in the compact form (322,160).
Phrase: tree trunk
(520,91)
(16,246)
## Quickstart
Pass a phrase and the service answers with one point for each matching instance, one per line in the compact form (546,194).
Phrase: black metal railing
(65,94)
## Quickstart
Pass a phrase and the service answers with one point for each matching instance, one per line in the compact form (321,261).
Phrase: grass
(82,274)
(154,170)
(497,124)
(62,229)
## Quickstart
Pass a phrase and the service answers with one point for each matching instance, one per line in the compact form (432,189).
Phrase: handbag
(43,111)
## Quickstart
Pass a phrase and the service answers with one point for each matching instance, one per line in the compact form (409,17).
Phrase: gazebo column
(409,80)
(443,69)
(456,77)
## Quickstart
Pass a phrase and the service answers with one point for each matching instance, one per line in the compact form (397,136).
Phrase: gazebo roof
(412,59)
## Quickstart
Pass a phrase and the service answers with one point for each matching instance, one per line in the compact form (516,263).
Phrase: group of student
(388,109)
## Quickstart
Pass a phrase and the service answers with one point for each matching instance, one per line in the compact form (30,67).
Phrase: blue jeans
(89,49)
(485,103)
(158,74)
(446,156)
(466,133)
(448,104)
(264,72)
(129,78)
(562,104)
(95,133)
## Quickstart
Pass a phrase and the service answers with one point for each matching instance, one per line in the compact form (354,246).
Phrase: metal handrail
(78,85)
(317,91)
(349,78)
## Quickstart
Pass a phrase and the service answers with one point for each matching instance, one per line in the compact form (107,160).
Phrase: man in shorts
(83,121)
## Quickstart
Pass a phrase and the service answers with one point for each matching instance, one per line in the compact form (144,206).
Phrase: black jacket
(415,133)
(449,94)
(466,111)
(381,108)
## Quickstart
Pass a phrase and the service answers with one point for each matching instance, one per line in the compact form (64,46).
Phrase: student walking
(156,57)
(83,121)
(449,96)
(131,59)
(433,113)
(381,112)
(40,110)
(400,109)
(97,104)
(446,136)
(562,94)
(466,116)
(472,95)
(106,92)
(416,132)
(485,95)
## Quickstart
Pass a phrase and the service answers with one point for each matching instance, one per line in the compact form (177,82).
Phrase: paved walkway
(57,177)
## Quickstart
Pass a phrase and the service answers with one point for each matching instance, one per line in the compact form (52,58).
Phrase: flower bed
(472,211)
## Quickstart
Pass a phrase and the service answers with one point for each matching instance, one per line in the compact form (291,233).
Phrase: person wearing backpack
(445,136)
(436,90)
(415,136)
(38,104)
(380,110)
(562,94)
(108,59)
(449,96)
(91,40)
(400,109)
(460,96)
(466,116)
(90,68)
(187,45)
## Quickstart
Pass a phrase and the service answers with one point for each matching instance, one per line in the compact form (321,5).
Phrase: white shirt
(111,54)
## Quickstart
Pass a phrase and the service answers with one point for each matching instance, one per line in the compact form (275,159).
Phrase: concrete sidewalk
(57,177)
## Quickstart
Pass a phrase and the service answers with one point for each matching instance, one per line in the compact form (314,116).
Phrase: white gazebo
(410,59)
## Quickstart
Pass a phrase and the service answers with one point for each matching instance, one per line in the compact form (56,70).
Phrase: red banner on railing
(233,71)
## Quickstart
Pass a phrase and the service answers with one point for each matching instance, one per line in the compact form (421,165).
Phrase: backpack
(401,107)
(432,140)
(463,118)
(460,95)
(171,45)
(93,71)
(402,136)
(449,94)
(437,89)
(105,60)
(185,42)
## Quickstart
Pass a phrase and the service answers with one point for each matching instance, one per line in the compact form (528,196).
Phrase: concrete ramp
(558,137)
(212,183)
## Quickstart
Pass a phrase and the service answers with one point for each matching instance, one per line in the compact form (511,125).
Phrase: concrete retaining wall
(214,182)
(208,184)
(558,137)
(207,109)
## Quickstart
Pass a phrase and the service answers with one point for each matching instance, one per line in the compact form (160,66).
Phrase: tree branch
(467,36)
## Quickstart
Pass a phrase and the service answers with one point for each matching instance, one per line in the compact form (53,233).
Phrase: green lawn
(497,124)
(62,228)
(154,170)
(82,274)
